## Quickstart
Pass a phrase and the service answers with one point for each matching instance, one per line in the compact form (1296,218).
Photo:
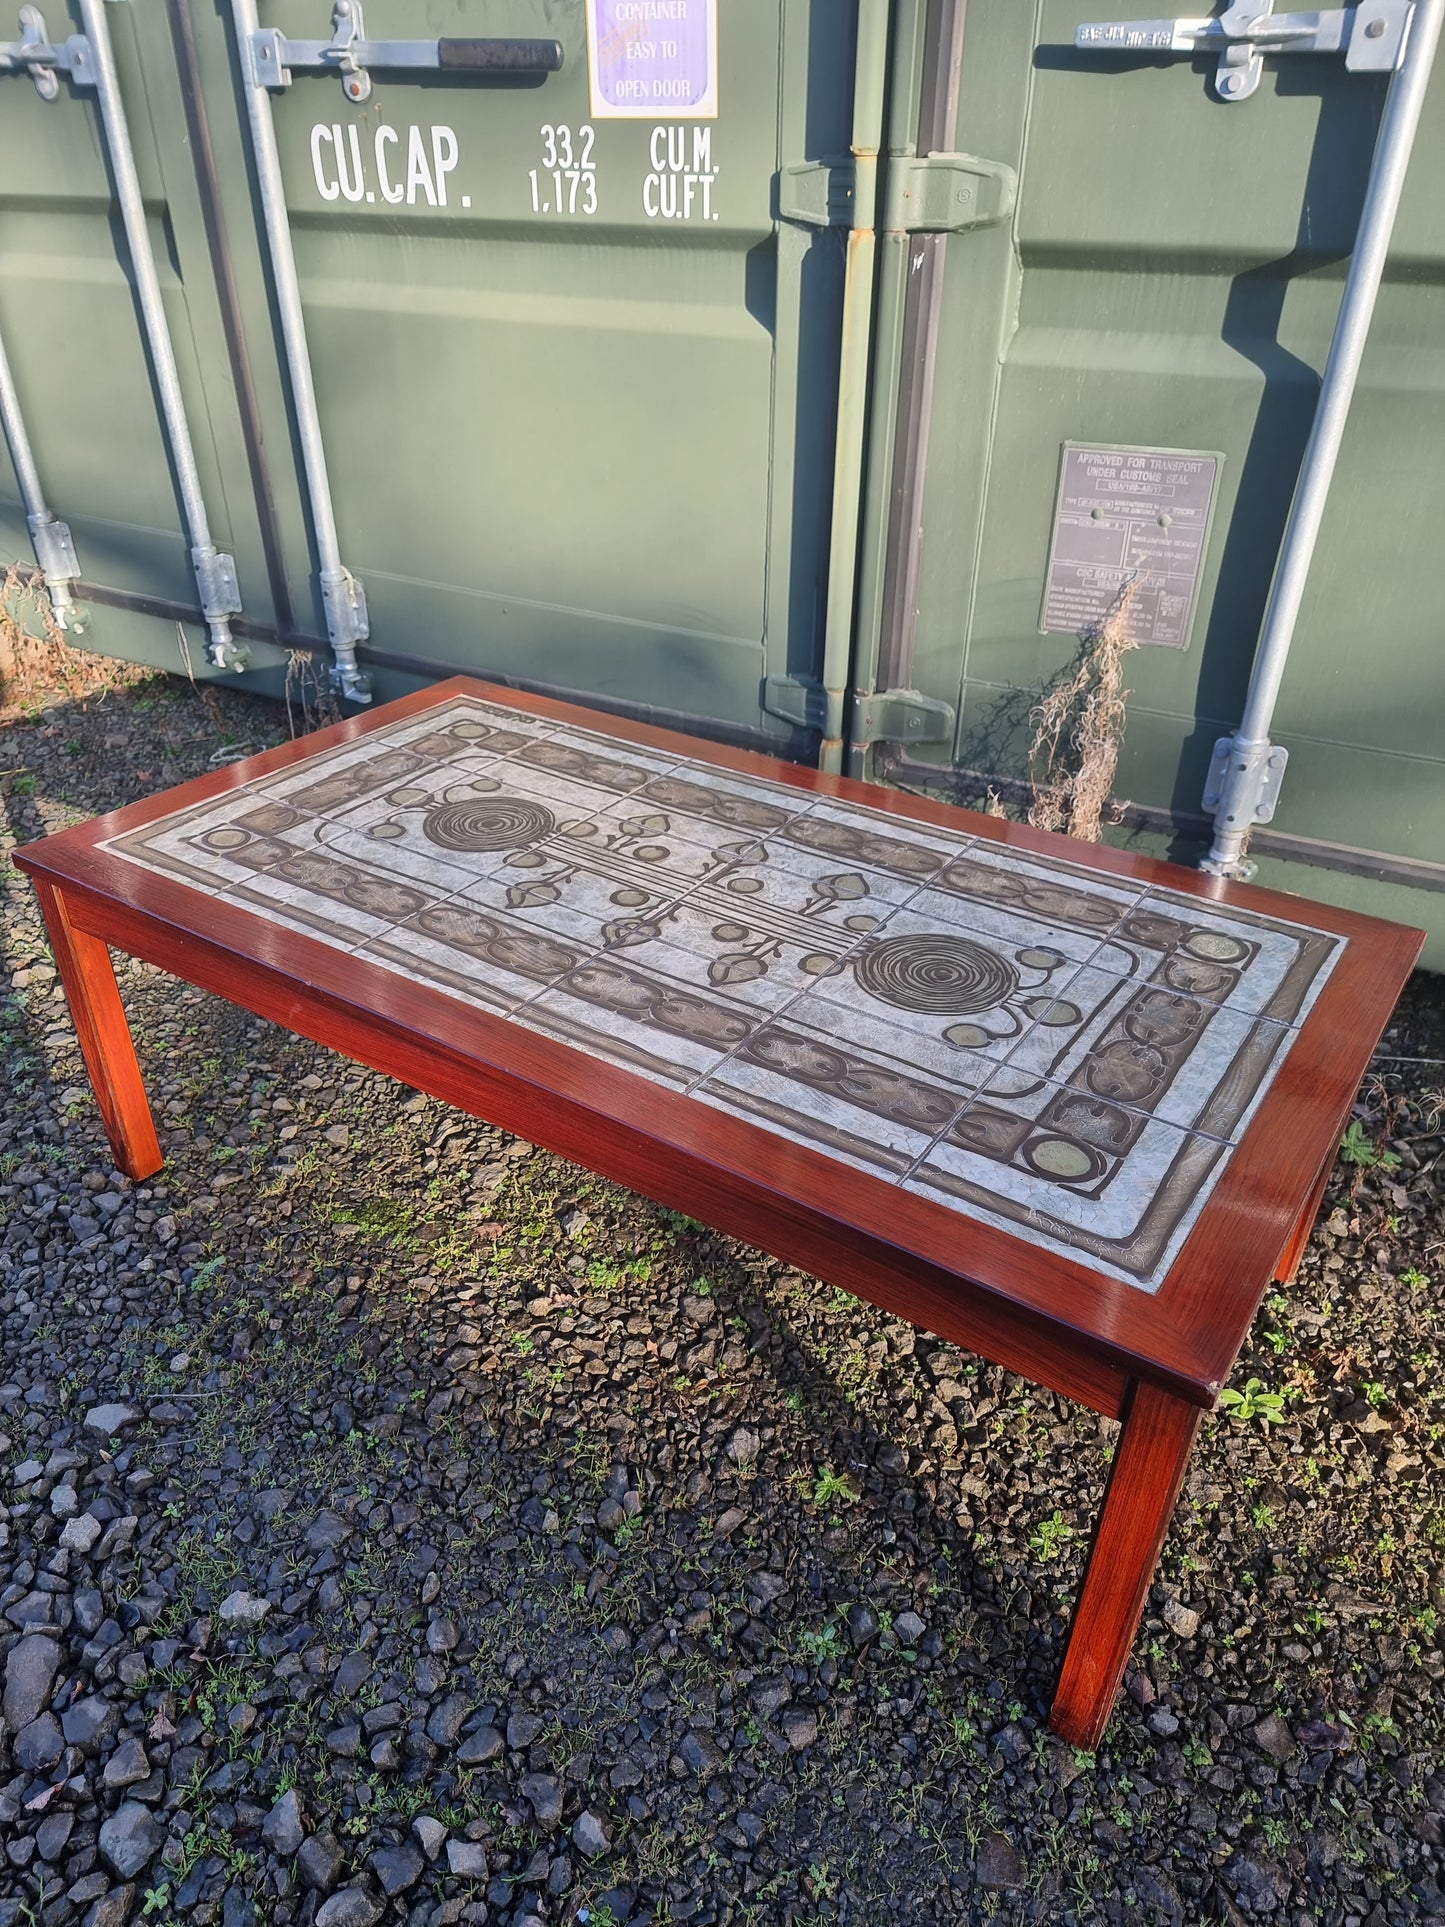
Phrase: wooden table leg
(1144,1483)
(105,1040)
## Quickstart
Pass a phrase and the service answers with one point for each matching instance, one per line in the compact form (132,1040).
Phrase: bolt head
(1374,29)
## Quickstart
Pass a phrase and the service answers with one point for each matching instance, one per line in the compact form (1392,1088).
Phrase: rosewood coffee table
(1071,1109)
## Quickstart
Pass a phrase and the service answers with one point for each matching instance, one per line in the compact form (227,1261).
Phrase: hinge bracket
(901,716)
(818,193)
(946,193)
(1243,782)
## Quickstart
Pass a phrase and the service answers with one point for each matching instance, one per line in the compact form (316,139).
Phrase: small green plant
(1277,1341)
(820,1643)
(1414,1278)
(1358,1149)
(1375,1392)
(834,1488)
(157,1898)
(1052,1535)
(823,1882)
(1254,1402)
(1276,1833)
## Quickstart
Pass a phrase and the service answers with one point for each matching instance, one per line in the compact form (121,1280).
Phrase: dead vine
(1079,731)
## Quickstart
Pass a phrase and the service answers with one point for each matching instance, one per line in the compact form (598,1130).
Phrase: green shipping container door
(1168,280)
(637,379)
(575,382)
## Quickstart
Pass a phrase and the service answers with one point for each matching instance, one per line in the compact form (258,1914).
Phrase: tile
(949,979)
(486,959)
(807,1089)
(855,836)
(1075,1174)
(639,1021)
(1228,958)
(1066,896)
(1170,1056)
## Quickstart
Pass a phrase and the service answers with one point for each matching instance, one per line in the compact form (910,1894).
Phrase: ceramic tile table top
(1070,1108)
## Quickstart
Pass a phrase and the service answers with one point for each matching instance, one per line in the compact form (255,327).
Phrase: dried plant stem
(1079,730)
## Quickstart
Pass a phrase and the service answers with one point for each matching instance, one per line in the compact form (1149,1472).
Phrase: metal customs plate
(1129,516)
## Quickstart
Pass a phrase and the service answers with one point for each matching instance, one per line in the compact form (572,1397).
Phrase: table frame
(1157,1362)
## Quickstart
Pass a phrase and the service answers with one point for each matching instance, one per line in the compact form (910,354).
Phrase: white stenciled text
(402,166)
(566,182)
(680,186)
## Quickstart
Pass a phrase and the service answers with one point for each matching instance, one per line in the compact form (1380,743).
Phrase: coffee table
(1068,1108)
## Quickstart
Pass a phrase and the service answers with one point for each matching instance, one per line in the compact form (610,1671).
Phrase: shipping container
(822,375)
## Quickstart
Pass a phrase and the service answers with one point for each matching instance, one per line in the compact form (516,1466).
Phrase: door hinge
(946,193)
(796,699)
(818,193)
(901,716)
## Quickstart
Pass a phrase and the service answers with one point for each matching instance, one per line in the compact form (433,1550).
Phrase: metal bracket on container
(44,59)
(901,716)
(796,699)
(272,56)
(54,548)
(818,193)
(1371,35)
(1242,789)
(946,193)
(344,600)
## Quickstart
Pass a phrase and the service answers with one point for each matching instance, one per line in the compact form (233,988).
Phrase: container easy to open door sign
(652,59)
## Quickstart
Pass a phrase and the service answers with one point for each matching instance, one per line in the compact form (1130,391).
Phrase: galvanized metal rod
(215,573)
(868,102)
(342,596)
(1239,795)
(50,538)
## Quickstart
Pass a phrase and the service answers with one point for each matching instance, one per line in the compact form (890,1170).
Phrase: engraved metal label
(1130,530)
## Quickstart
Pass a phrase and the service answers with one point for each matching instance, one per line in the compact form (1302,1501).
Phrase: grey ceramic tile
(640,1021)
(1066,896)
(819,1096)
(1227,958)
(1080,1176)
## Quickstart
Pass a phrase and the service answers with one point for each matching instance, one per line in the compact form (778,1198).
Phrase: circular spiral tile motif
(488,823)
(938,976)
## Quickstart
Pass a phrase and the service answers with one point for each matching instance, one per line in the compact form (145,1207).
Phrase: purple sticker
(653,59)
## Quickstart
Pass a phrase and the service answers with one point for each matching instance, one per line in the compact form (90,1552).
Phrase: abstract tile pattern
(1021,1039)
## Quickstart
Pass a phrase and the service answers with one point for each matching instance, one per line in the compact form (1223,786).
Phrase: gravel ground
(399,1524)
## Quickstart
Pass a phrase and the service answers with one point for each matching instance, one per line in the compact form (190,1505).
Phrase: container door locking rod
(89,61)
(1392,36)
(268,59)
